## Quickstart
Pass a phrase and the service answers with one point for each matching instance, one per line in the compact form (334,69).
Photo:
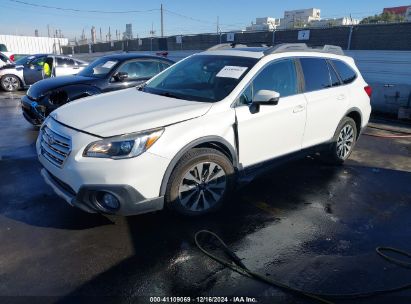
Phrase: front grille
(54,146)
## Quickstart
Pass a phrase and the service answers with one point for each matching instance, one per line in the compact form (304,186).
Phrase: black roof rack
(281,48)
(302,47)
(232,45)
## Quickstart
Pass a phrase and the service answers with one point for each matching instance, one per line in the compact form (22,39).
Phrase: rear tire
(10,83)
(200,183)
(343,142)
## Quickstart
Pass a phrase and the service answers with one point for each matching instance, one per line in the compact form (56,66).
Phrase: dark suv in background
(108,73)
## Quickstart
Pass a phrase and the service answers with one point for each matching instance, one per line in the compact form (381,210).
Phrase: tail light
(12,57)
(368,90)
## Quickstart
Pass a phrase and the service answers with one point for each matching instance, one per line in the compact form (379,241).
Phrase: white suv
(195,131)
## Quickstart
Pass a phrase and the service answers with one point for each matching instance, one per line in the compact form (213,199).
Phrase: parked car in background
(30,69)
(108,73)
(5,52)
(4,60)
(195,131)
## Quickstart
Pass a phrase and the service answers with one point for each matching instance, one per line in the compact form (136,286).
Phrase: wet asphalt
(306,224)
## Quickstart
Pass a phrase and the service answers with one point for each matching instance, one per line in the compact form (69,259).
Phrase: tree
(383,18)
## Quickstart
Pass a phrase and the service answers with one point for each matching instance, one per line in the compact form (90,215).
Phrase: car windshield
(23,60)
(206,78)
(99,68)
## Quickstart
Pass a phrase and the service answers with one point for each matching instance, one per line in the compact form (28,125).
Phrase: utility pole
(162,22)
(218,24)
(101,36)
(48,30)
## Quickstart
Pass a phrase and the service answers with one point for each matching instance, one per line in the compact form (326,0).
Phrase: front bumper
(30,114)
(135,182)
(131,201)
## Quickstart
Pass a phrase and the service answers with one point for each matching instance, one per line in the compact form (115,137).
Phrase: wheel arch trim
(199,141)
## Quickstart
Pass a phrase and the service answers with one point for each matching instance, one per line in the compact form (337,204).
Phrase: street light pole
(162,22)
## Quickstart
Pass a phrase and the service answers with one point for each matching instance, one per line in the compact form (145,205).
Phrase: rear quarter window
(347,74)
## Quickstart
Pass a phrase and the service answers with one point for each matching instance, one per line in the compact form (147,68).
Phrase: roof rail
(233,45)
(290,47)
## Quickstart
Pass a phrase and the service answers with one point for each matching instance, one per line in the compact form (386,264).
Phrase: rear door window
(316,74)
(347,74)
(61,61)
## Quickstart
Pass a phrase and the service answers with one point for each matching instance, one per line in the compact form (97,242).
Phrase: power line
(84,11)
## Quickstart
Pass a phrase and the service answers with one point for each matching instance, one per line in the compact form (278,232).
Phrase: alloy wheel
(202,186)
(10,83)
(345,141)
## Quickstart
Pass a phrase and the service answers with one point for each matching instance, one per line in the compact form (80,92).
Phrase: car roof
(127,56)
(240,52)
(261,51)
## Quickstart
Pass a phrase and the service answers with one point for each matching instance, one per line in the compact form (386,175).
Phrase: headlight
(124,146)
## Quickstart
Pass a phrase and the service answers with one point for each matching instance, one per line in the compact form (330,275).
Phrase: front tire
(343,142)
(10,83)
(200,183)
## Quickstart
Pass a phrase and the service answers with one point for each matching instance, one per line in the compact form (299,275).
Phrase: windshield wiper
(168,94)
(141,86)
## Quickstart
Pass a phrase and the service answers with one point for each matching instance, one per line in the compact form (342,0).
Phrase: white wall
(32,45)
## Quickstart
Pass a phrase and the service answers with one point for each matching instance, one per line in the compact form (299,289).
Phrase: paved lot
(309,225)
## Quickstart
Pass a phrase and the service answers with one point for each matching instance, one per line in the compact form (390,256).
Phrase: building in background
(264,24)
(334,22)
(299,18)
(128,34)
(398,10)
(93,35)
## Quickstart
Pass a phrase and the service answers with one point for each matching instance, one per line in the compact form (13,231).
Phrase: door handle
(341,97)
(298,108)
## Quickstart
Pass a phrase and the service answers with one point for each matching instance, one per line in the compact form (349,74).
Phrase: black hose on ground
(235,264)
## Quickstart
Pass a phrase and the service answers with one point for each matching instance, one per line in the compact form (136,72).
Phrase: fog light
(107,201)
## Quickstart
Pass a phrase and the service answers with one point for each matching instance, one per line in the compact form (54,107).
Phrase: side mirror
(266,97)
(31,67)
(120,76)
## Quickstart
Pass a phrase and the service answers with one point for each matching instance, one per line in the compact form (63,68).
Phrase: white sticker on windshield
(231,71)
(109,64)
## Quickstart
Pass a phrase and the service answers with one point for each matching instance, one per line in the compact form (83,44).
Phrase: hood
(9,66)
(126,111)
(42,87)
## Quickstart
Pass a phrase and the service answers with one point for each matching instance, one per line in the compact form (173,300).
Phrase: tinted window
(23,60)
(38,61)
(316,74)
(279,76)
(334,78)
(165,65)
(65,61)
(347,74)
(99,68)
(140,69)
(207,78)
(3,58)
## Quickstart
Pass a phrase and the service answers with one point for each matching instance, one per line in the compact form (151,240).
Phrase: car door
(33,71)
(326,99)
(274,130)
(138,71)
